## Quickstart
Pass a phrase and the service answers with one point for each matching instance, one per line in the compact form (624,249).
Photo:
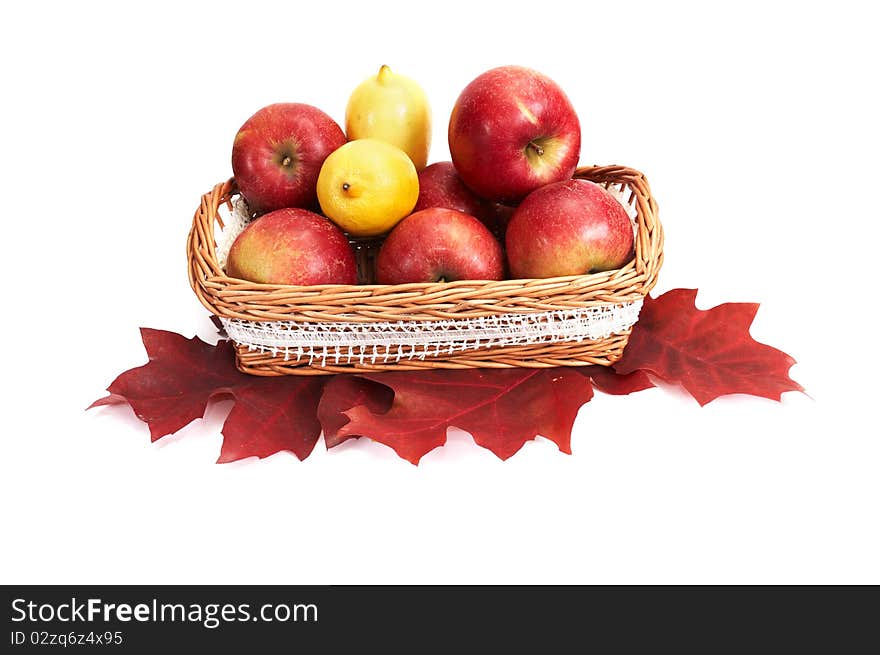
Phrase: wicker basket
(379,307)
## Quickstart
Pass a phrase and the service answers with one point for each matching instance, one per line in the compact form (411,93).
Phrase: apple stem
(286,161)
(539,150)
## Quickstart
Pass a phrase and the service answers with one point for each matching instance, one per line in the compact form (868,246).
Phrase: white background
(756,127)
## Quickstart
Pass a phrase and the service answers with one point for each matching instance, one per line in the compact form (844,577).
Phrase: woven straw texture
(231,298)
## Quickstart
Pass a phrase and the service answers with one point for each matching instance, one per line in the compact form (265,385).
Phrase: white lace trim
(392,341)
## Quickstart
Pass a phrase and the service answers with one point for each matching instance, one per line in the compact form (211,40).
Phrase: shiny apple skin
(292,246)
(440,186)
(439,244)
(278,152)
(511,131)
(568,228)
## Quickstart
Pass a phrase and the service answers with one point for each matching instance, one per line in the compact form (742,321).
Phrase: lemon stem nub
(384,72)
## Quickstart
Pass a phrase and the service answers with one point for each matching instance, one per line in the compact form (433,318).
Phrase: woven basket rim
(410,287)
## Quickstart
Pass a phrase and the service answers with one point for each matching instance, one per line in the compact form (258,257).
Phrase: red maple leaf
(183,375)
(709,352)
(271,415)
(174,387)
(341,393)
(609,381)
(500,408)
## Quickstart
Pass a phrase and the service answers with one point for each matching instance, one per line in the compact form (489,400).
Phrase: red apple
(278,153)
(292,246)
(511,131)
(440,186)
(439,244)
(568,228)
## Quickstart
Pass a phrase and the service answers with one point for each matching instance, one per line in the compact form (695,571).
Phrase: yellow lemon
(367,186)
(392,108)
